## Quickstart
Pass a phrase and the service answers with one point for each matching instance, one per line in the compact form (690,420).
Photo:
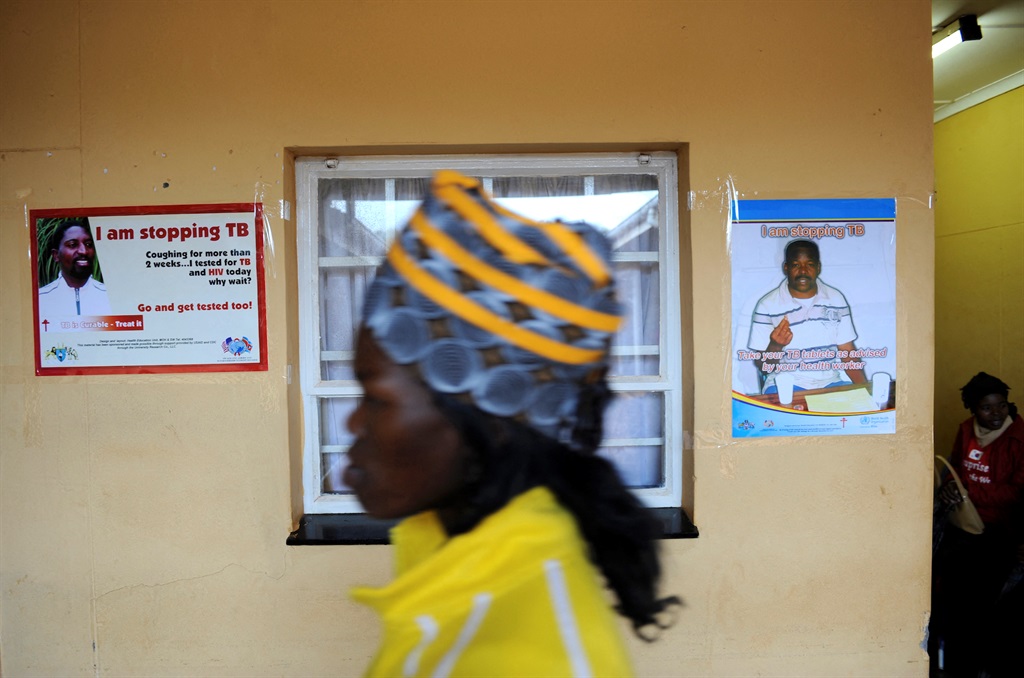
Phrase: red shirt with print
(994,475)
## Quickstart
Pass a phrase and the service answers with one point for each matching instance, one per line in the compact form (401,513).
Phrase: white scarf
(985,436)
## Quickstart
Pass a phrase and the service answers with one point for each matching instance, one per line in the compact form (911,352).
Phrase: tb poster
(131,290)
(814,317)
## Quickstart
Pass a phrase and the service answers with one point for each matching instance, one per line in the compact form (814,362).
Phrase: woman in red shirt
(976,606)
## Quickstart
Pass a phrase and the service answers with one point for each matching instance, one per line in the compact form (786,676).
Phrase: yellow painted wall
(979,254)
(144,518)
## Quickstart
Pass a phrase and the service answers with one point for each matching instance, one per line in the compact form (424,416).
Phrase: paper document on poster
(856,400)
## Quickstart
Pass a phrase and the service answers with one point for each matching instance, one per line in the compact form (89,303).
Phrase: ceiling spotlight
(963,29)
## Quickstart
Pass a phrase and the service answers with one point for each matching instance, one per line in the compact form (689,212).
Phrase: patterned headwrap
(511,315)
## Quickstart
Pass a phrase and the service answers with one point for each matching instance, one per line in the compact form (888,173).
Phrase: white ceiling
(979,69)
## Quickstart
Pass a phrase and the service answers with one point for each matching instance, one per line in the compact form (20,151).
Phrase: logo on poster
(237,346)
(61,353)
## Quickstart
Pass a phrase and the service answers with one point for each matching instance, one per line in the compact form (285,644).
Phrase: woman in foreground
(482,354)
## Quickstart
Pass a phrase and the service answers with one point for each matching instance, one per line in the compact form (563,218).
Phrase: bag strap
(956,478)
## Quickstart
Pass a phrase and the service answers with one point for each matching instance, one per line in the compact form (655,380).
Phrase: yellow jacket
(516,596)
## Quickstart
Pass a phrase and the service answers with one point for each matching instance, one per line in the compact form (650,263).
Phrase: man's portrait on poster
(821,309)
(804,314)
(70,279)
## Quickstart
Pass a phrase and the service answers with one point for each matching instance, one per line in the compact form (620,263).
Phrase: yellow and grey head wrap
(511,314)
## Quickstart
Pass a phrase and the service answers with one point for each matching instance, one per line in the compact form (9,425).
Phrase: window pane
(334,414)
(639,292)
(638,231)
(623,208)
(341,298)
(637,466)
(634,437)
(358,217)
(334,440)
(341,233)
(635,414)
(332,466)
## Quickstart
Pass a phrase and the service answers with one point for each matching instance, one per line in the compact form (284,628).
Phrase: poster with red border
(154,289)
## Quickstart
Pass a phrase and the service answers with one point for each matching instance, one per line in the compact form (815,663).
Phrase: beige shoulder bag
(964,515)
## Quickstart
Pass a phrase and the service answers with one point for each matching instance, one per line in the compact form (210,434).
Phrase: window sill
(357,528)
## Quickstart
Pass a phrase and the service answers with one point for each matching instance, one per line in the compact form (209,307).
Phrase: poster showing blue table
(813,317)
(131,290)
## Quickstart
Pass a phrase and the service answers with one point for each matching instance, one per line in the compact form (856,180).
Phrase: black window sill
(358,528)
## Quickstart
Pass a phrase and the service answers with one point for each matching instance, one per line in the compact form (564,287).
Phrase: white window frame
(664,164)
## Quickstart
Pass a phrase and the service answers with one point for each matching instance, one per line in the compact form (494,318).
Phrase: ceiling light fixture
(963,29)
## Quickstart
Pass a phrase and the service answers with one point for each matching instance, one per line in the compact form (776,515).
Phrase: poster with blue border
(814,317)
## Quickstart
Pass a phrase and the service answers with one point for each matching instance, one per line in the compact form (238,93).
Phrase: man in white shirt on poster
(75,292)
(803,313)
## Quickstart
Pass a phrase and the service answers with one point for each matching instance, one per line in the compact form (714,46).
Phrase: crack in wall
(131,587)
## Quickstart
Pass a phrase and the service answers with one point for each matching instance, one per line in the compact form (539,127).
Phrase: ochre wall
(144,517)
(979,254)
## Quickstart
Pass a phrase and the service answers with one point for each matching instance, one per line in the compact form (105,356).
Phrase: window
(349,208)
